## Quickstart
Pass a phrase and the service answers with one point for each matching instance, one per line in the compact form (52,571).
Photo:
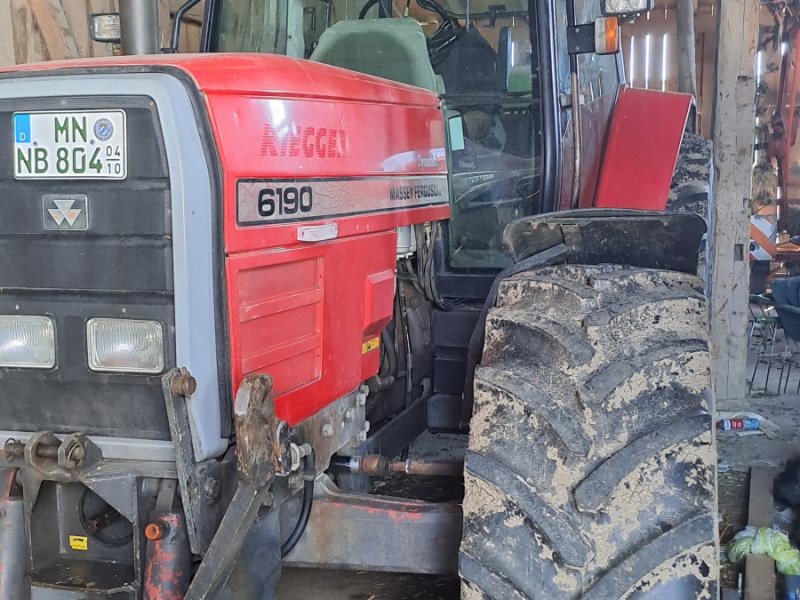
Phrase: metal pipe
(543,29)
(376,465)
(168,558)
(440,468)
(176,23)
(13,548)
(14,449)
(576,139)
(138,20)
(575,101)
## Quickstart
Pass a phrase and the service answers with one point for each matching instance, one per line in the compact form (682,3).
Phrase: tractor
(237,285)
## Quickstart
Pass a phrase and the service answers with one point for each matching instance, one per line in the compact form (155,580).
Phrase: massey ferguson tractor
(235,286)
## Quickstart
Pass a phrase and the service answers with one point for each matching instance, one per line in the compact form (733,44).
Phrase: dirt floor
(737,453)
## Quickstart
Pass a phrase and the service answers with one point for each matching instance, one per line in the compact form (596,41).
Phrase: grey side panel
(192,234)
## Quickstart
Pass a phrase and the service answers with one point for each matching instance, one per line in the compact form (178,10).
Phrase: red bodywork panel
(309,314)
(642,147)
(306,147)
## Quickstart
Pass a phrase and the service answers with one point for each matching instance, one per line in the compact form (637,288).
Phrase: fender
(642,149)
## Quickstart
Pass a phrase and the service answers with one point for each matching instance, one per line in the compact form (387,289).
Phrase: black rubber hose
(366,7)
(309,475)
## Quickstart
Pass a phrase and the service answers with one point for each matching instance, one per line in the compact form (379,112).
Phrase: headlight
(625,7)
(27,342)
(125,345)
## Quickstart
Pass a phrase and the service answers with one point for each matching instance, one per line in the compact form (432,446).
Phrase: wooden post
(53,24)
(734,119)
(7,56)
(687,67)
(759,570)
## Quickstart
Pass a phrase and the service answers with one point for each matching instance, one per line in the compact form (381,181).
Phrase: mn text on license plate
(70,145)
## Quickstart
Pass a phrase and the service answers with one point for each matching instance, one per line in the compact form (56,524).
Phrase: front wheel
(590,471)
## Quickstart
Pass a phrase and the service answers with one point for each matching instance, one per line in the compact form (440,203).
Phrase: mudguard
(643,143)
(628,237)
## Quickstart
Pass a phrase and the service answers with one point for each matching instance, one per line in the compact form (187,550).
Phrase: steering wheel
(369,4)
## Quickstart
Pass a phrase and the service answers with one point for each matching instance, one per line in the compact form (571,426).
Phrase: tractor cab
(491,149)
(504,81)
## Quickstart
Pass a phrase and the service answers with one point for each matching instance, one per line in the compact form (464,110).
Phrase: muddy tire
(691,189)
(691,186)
(590,471)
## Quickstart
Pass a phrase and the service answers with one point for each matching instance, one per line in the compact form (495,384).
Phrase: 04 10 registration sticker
(70,145)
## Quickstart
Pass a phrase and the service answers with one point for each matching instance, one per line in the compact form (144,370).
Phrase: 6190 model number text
(285,201)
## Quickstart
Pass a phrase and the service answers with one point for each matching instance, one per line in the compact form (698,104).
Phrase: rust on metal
(8,484)
(183,384)
(380,466)
(440,468)
(154,531)
(168,563)
(373,464)
(13,449)
(261,438)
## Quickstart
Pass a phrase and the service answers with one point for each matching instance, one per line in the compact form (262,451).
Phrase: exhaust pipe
(138,20)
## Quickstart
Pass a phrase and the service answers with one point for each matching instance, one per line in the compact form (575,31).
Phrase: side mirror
(625,8)
(104,27)
(456,132)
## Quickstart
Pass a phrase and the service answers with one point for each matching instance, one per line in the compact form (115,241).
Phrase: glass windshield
(481,68)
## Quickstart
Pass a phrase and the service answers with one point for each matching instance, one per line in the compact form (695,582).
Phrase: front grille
(120,267)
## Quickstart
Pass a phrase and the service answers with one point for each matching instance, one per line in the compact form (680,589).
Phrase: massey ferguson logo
(310,142)
(65,212)
(427,162)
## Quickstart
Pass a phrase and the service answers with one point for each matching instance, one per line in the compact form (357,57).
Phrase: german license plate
(70,145)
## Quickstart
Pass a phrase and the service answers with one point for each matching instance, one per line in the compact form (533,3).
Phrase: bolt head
(362,436)
(361,398)
(327,430)
(349,414)
(212,489)
(183,384)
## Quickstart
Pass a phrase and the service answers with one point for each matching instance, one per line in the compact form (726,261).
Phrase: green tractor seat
(394,49)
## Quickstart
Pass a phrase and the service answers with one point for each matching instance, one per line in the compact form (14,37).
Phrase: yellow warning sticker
(370,345)
(78,542)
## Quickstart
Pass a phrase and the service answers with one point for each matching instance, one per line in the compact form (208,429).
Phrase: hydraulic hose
(309,475)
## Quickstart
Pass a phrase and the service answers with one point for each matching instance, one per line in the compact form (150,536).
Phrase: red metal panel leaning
(643,143)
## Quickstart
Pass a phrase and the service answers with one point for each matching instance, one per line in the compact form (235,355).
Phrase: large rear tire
(591,464)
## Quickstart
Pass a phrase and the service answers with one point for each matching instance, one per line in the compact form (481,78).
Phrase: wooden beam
(77,18)
(28,43)
(687,65)
(734,118)
(53,24)
(7,56)
(760,505)
(759,570)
